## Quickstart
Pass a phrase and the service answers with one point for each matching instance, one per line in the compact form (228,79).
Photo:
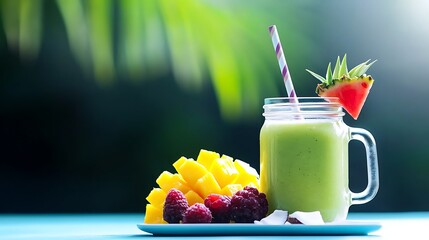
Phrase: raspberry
(248,205)
(175,206)
(220,206)
(197,213)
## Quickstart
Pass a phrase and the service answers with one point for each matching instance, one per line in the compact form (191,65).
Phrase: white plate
(215,229)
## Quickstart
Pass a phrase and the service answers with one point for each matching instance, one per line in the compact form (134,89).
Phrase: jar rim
(302,107)
(302,100)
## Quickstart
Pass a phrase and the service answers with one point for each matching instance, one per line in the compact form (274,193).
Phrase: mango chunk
(168,181)
(153,215)
(254,184)
(207,185)
(247,174)
(231,189)
(245,168)
(179,163)
(193,197)
(191,171)
(156,197)
(206,158)
(224,171)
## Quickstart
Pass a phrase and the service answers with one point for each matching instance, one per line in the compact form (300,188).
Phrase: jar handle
(371,189)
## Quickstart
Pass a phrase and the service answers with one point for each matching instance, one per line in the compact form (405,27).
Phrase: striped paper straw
(282,63)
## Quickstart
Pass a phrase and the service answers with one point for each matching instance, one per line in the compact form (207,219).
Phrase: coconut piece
(306,218)
(278,217)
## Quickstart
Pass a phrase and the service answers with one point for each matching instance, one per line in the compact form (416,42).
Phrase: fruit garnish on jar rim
(350,87)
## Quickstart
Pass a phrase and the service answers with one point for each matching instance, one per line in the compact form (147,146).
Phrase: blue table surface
(403,225)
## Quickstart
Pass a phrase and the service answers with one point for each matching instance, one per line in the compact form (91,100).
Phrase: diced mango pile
(210,173)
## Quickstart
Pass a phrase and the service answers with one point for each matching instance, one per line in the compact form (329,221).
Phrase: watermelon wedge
(350,87)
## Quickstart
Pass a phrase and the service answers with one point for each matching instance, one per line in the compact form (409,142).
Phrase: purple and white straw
(282,63)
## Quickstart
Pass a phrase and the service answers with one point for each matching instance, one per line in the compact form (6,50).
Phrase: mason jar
(304,162)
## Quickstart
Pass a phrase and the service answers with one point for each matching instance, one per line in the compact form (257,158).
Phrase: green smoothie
(304,166)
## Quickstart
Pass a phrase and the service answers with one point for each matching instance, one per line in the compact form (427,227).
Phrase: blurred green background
(98,97)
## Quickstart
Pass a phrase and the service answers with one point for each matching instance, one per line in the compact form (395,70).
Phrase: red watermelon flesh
(352,93)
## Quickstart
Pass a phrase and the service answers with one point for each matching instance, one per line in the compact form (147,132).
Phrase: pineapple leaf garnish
(322,79)
(365,68)
(337,69)
(343,67)
(355,70)
(329,74)
(341,70)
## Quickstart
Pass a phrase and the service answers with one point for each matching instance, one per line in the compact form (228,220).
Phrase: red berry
(248,205)
(175,206)
(197,213)
(220,206)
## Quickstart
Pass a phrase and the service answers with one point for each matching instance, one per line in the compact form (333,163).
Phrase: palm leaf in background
(226,42)
(22,21)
